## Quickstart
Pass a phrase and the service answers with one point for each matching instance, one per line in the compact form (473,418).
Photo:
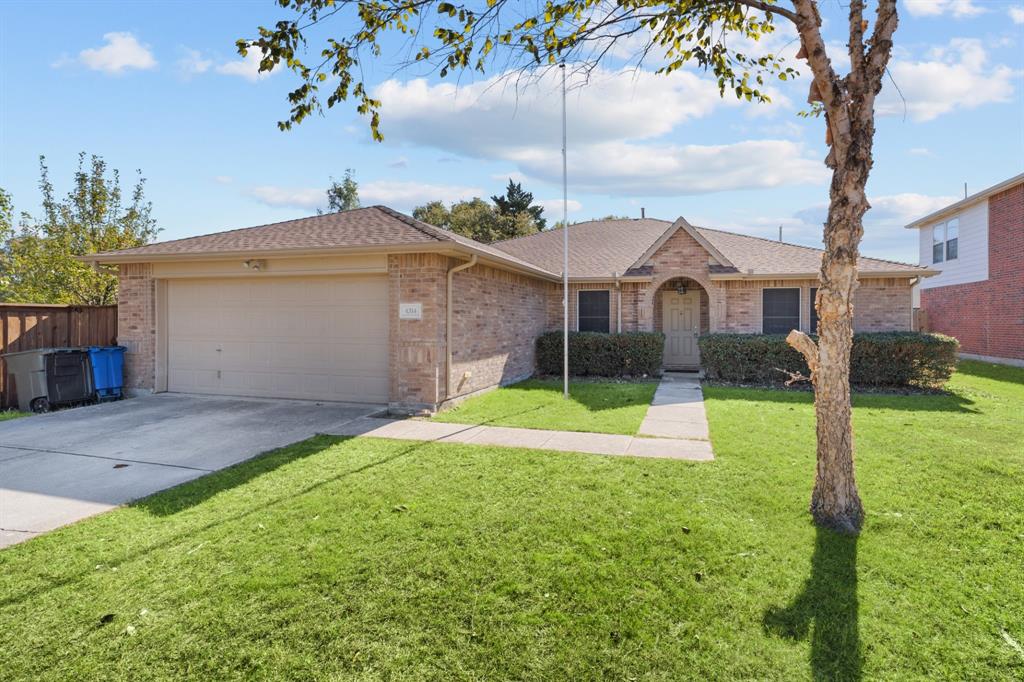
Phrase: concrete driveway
(61,467)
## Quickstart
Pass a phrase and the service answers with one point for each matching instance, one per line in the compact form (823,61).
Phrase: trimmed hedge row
(605,355)
(876,359)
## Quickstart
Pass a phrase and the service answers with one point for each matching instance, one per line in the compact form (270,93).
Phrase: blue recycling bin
(107,371)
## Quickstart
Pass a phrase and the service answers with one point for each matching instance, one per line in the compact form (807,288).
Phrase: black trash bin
(68,376)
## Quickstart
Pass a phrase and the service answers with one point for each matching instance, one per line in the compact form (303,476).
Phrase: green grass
(594,406)
(373,559)
(12,414)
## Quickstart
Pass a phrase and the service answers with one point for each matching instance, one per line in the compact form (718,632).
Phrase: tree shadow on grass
(939,401)
(828,601)
(595,395)
(189,494)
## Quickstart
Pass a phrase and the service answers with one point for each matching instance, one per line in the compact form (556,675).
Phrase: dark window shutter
(814,311)
(780,310)
(594,311)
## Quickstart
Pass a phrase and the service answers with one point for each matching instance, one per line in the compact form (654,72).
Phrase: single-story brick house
(976,245)
(372,305)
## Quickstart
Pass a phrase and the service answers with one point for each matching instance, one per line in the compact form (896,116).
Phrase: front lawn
(594,406)
(374,559)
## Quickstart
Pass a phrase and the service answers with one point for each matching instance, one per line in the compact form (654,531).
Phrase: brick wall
(497,316)
(136,324)
(416,347)
(988,317)
(882,305)
(554,304)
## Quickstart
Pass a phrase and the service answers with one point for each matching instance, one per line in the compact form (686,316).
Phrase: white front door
(681,324)
(313,338)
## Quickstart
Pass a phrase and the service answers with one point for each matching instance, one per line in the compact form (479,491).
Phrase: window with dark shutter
(780,310)
(814,311)
(593,311)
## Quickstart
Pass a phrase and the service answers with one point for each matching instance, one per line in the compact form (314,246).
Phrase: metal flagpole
(565,251)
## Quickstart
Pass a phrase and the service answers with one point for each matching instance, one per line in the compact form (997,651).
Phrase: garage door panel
(322,338)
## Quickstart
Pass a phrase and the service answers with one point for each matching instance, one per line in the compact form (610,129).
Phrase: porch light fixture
(681,289)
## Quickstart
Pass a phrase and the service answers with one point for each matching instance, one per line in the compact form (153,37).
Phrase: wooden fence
(27,326)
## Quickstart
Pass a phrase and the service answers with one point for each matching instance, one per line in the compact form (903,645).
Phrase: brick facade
(988,317)
(497,316)
(136,325)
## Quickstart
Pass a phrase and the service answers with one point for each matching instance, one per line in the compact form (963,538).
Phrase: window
(938,240)
(593,311)
(813,316)
(952,232)
(780,310)
(945,241)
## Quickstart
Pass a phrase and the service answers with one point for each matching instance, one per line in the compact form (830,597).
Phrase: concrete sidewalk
(677,410)
(565,441)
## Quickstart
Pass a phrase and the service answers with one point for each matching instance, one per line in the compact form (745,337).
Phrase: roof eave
(871,274)
(446,247)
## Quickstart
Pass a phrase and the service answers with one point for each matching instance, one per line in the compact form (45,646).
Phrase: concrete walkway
(677,410)
(675,428)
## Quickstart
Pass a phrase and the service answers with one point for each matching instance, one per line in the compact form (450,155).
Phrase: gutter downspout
(618,303)
(448,325)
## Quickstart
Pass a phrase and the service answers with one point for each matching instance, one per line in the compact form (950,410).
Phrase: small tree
(344,195)
(705,33)
(516,202)
(433,213)
(37,260)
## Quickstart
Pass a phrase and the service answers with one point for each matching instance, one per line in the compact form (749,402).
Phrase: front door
(681,323)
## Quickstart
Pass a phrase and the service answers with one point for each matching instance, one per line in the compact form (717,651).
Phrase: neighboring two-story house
(977,245)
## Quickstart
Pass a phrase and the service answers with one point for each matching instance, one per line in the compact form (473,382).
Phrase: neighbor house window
(813,313)
(593,311)
(952,233)
(938,241)
(780,310)
(945,241)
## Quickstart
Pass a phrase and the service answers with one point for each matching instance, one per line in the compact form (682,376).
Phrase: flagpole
(565,251)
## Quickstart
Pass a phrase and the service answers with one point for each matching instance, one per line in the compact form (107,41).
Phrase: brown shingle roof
(362,227)
(597,248)
(759,256)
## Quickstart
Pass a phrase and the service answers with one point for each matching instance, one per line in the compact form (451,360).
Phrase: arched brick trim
(716,297)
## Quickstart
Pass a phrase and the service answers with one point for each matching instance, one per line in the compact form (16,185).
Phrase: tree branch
(770,9)
(828,85)
(803,343)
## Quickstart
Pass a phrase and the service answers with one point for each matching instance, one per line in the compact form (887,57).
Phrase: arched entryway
(682,306)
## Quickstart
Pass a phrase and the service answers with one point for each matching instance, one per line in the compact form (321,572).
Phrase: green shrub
(877,359)
(605,355)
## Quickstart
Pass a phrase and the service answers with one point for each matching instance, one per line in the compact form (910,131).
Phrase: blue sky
(158,86)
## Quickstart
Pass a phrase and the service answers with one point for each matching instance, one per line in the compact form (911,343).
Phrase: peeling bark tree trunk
(849,109)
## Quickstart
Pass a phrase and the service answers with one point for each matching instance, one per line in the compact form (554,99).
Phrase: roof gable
(681,224)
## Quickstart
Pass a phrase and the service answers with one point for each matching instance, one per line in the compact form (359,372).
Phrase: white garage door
(316,338)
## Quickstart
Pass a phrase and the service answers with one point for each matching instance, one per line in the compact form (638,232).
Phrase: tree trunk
(835,502)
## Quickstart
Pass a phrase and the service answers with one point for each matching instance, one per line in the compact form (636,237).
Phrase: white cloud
(223,179)
(1016,13)
(553,207)
(403,196)
(932,8)
(884,233)
(629,169)
(955,76)
(247,67)
(290,197)
(121,52)
(406,195)
(614,122)
(920,151)
(192,63)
